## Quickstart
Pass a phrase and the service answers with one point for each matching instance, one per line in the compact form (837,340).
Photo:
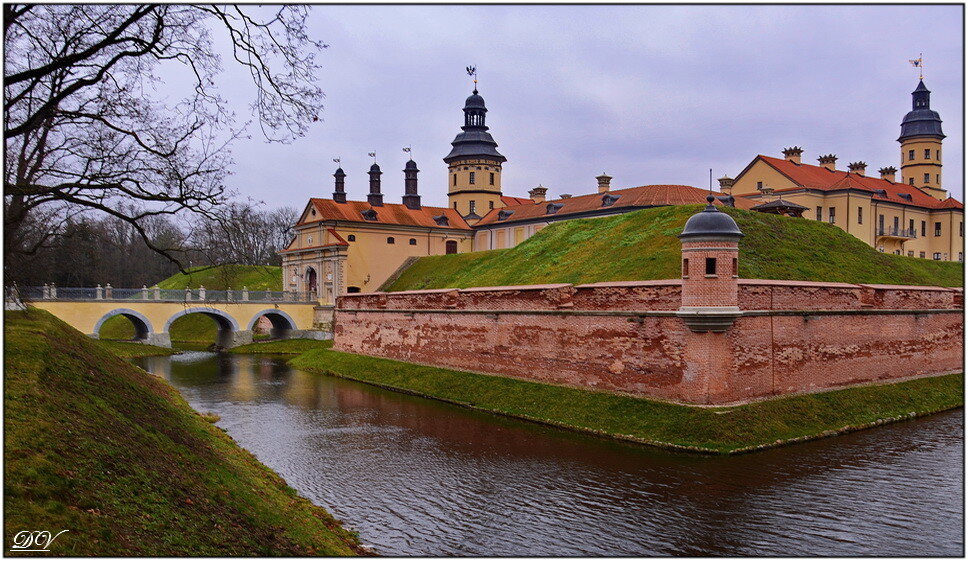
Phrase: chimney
(538,194)
(604,183)
(888,173)
(410,198)
(375,198)
(793,154)
(860,168)
(829,161)
(339,195)
(726,184)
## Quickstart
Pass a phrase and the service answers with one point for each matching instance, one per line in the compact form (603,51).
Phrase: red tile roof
(644,196)
(820,178)
(512,201)
(389,213)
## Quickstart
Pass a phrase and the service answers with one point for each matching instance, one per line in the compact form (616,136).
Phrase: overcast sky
(648,94)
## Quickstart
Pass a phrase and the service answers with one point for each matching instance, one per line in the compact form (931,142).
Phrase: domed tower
(474,165)
(920,140)
(710,270)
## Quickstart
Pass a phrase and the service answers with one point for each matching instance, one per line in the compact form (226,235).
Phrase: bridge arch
(142,325)
(282,323)
(227,325)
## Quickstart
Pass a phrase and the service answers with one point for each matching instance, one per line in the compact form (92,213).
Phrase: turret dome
(921,120)
(711,222)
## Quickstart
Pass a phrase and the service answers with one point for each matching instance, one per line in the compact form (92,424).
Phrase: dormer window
(906,197)
(552,208)
(369,214)
(442,220)
(313,212)
(880,192)
(609,199)
(504,214)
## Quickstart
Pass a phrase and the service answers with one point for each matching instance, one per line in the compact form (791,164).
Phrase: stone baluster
(228,294)
(53,290)
(245,293)
(144,292)
(108,292)
(188,294)
(99,293)
(46,291)
(201,292)
(157,290)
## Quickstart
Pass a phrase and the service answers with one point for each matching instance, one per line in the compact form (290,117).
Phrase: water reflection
(417,477)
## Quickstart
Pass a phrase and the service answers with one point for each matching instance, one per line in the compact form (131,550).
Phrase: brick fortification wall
(792,336)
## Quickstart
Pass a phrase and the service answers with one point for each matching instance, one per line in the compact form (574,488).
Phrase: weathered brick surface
(759,356)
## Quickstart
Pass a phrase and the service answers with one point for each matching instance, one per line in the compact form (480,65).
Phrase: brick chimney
(860,168)
(793,154)
(710,270)
(410,198)
(538,194)
(339,195)
(829,161)
(375,198)
(726,184)
(889,173)
(604,183)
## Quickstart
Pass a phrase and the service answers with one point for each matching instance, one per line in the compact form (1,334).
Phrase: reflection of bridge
(152,310)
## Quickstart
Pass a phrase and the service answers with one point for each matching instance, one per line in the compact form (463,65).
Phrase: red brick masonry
(793,336)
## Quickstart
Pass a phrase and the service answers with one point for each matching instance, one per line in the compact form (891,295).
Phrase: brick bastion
(709,338)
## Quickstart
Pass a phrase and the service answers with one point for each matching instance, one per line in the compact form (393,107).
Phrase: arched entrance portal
(312,282)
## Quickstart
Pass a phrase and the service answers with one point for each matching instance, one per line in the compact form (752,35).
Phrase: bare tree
(242,234)
(88,125)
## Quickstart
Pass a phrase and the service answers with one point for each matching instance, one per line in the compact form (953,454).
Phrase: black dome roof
(921,120)
(711,222)
(339,172)
(410,165)
(475,101)
(374,167)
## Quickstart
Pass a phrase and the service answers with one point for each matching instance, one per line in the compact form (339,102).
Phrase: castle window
(927,153)
(450,247)
(921,255)
(351,238)
(896,219)
(911,227)
(961,229)
(390,240)
(910,154)
(924,229)
(937,229)
(490,205)
(492,178)
(937,178)
(735,267)
(759,185)
(472,178)
(685,268)
(927,178)
(473,204)
(710,266)
(413,241)
(860,215)
(911,180)
(937,257)
(880,223)
(455,180)
(309,239)
(830,216)
(911,253)
(819,213)
(961,256)
(352,289)
(938,152)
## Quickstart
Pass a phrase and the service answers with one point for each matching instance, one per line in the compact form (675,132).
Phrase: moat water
(418,477)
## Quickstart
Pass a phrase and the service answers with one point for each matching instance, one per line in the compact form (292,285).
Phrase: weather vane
(407,150)
(337,160)
(372,155)
(919,63)
(472,72)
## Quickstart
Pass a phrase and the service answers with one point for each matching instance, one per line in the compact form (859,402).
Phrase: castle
(344,246)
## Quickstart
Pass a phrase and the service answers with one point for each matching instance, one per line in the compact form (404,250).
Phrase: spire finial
(472,72)
(919,64)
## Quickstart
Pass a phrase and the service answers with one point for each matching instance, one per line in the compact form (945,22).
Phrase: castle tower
(474,165)
(920,140)
(710,270)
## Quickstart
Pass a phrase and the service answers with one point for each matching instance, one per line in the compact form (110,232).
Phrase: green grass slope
(708,429)
(642,245)
(225,277)
(99,447)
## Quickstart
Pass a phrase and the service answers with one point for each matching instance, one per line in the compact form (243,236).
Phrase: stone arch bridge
(153,310)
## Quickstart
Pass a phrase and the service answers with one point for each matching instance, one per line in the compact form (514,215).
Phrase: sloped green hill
(113,454)
(642,245)
(224,277)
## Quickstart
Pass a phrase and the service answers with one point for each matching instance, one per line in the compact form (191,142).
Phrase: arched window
(351,238)
(390,240)
(413,241)
(451,247)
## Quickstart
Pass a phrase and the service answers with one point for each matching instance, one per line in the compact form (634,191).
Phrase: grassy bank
(285,347)
(225,277)
(125,349)
(643,245)
(115,455)
(719,430)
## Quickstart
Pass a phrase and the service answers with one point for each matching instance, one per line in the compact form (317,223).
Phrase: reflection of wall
(793,336)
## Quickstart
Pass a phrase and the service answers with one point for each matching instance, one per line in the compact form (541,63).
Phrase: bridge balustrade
(145,294)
